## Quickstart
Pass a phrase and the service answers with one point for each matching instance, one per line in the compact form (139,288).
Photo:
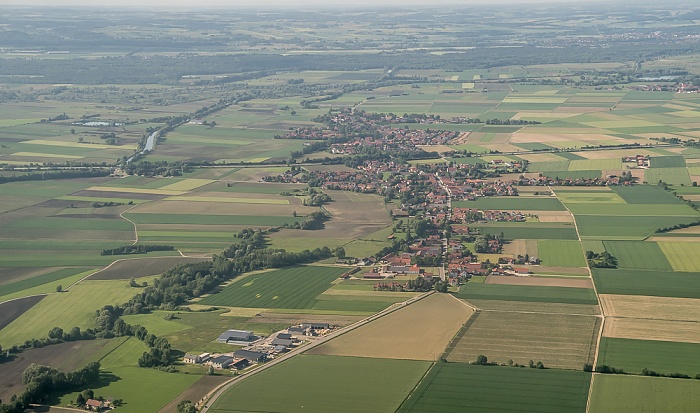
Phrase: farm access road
(217,392)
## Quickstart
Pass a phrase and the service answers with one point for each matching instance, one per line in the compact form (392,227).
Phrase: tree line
(136,249)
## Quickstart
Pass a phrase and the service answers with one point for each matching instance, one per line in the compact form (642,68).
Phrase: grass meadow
(652,283)
(561,253)
(661,356)
(633,394)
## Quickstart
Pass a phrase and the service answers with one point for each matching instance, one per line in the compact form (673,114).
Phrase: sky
(247,3)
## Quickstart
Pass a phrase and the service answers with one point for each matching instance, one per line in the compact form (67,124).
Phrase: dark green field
(666,162)
(653,283)
(295,287)
(638,255)
(566,295)
(513,204)
(458,387)
(625,227)
(661,356)
(591,174)
(645,194)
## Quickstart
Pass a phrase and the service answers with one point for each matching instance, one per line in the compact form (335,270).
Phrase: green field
(566,295)
(638,255)
(526,230)
(43,284)
(458,387)
(253,220)
(666,162)
(645,194)
(625,227)
(634,394)
(683,256)
(653,283)
(295,287)
(513,204)
(674,176)
(577,174)
(325,384)
(561,253)
(661,356)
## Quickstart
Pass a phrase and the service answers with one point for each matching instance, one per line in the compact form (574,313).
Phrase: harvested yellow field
(187,184)
(420,331)
(135,190)
(78,145)
(45,155)
(683,256)
(551,217)
(645,329)
(577,282)
(638,306)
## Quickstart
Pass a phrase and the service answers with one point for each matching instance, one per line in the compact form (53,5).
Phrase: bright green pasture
(252,220)
(559,253)
(634,394)
(43,284)
(527,293)
(674,176)
(75,307)
(548,166)
(518,230)
(625,227)
(295,287)
(460,387)
(683,256)
(644,194)
(661,356)
(325,384)
(638,255)
(598,164)
(652,283)
(513,204)
(603,196)
(666,162)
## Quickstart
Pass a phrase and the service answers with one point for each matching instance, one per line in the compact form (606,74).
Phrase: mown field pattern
(561,253)
(295,287)
(325,384)
(459,387)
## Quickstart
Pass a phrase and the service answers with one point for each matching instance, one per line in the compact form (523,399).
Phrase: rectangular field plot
(295,287)
(589,196)
(674,176)
(197,219)
(458,387)
(659,308)
(634,394)
(561,253)
(660,356)
(651,329)
(528,230)
(683,256)
(638,255)
(558,340)
(513,204)
(565,295)
(651,283)
(625,227)
(392,336)
(324,384)
(644,194)
(666,162)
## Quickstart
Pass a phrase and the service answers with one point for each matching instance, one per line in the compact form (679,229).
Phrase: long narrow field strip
(607,197)
(638,255)
(124,269)
(151,191)
(44,284)
(458,387)
(533,231)
(228,200)
(570,282)
(683,256)
(69,309)
(513,204)
(11,310)
(648,307)
(661,356)
(195,219)
(394,335)
(625,227)
(634,394)
(646,329)
(79,145)
(530,294)
(675,176)
(536,307)
(187,184)
(651,210)
(651,283)
(45,155)
(295,287)
(561,253)
(558,340)
(322,384)
(645,194)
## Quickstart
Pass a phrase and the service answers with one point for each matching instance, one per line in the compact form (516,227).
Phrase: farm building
(253,356)
(282,342)
(192,359)
(221,362)
(239,364)
(316,326)
(236,335)
(95,405)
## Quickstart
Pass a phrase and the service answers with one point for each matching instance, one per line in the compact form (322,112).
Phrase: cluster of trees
(136,249)
(481,242)
(312,221)
(317,200)
(602,260)
(678,226)
(484,361)
(41,381)
(512,122)
(55,336)
(66,174)
(154,168)
(420,284)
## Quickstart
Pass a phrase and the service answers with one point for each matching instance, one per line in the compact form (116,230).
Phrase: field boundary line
(136,231)
(211,397)
(541,312)
(597,296)
(22,298)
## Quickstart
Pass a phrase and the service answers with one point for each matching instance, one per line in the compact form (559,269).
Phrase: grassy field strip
(101,199)
(228,200)
(683,256)
(561,253)
(45,155)
(650,283)
(566,295)
(634,394)
(44,284)
(637,307)
(79,145)
(638,255)
(661,356)
(136,190)
(187,184)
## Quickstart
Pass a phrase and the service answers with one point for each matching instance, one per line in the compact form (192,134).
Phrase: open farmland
(195,392)
(620,227)
(390,336)
(683,256)
(50,278)
(652,283)
(535,307)
(125,269)
(651,329)
(633,394)
(527,230)
(660,356)
(513,204)
(664,308)
(527,293)
(558,340)
(444,389)
(638,255)
(295,287)
(11,310)
(336,382)
(561,253)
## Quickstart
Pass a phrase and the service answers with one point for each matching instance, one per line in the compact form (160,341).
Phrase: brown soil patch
(409,333)
(10,310)
(291,319)
(195,392)
(540,281)
(646,307)
(555,217)
(10,275)
(661,330)
(140,267)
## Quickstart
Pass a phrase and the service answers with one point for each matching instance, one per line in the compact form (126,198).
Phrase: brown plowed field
(540,281)
(10,310)
(420,331)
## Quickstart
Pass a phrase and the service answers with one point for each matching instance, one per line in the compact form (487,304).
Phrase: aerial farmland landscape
(391,207)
